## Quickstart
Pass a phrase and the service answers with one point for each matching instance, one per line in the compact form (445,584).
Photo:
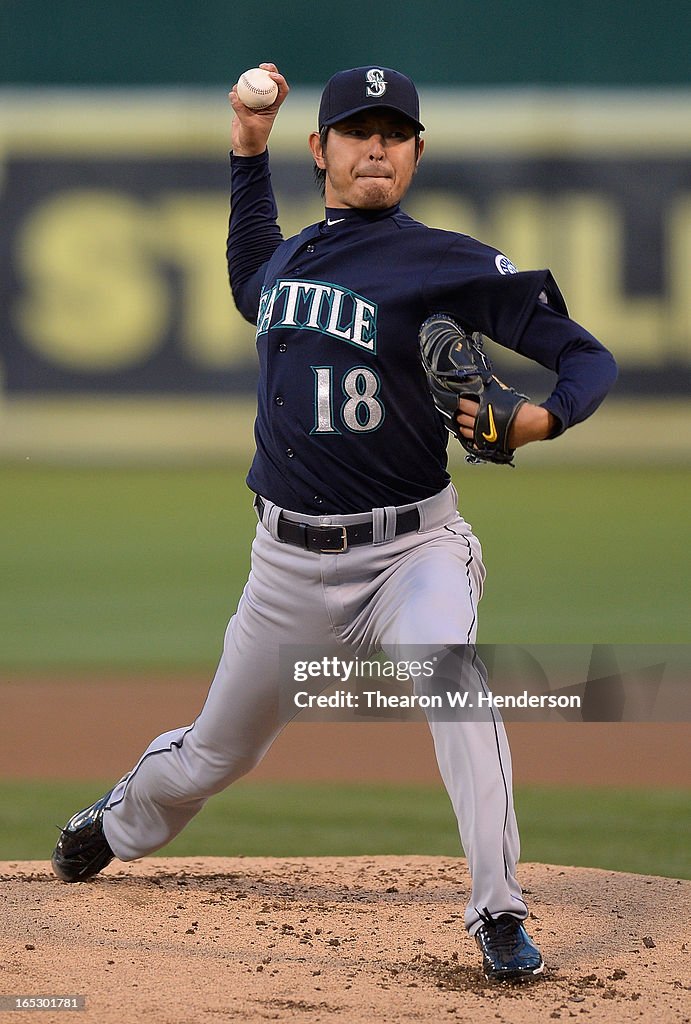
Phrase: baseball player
(359,543)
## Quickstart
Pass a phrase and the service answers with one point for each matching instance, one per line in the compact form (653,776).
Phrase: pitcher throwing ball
(361,321)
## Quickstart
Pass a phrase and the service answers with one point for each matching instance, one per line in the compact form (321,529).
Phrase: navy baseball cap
(349,92)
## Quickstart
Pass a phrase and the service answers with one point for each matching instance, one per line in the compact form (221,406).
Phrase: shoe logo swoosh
(492,435)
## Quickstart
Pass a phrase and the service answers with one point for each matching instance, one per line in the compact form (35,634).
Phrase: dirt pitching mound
(357,939)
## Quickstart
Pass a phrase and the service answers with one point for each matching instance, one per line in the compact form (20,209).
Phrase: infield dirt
(125,713)
(358,940)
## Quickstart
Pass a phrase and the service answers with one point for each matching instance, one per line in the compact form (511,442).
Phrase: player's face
(369,159)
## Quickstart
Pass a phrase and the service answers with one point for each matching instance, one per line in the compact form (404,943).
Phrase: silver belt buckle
(343,547)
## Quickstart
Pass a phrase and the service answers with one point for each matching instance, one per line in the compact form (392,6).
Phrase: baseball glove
(458,367)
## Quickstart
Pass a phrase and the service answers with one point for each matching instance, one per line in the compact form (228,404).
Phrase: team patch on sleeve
(504,265)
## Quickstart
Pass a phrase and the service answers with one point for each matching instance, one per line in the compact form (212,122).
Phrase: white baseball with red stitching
(256,89)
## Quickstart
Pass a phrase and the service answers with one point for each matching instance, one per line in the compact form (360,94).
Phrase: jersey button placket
(307,251)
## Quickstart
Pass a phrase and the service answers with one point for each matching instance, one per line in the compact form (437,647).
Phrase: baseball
(256,88)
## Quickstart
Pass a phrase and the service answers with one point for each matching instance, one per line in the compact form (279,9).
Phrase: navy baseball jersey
(345,421)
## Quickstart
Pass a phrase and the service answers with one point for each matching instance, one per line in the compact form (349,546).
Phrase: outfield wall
(465,42)
(114,205)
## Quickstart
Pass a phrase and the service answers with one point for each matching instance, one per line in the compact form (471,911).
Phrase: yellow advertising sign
(115,206)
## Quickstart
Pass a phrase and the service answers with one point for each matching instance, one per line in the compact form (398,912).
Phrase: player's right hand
(250,129)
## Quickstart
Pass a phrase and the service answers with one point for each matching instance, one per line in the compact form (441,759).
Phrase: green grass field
(138,568)
(644,831)
(129,570)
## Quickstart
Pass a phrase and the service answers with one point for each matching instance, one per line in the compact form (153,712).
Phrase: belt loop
(390,521)
(270,516)
(378,525)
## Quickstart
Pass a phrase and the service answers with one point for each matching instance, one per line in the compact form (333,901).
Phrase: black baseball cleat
(82,850)
(508,952)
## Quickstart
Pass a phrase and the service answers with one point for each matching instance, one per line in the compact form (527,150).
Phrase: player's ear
(317,148)
(420,149)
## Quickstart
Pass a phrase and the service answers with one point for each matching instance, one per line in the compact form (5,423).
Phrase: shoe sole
(520,976)
(66,873)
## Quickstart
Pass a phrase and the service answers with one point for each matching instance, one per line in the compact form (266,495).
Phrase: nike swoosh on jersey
(332,222)
(493,435)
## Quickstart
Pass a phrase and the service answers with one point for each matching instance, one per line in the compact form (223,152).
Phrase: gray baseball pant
(419,590)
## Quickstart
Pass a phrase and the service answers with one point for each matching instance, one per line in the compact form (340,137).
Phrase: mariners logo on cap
(377,82)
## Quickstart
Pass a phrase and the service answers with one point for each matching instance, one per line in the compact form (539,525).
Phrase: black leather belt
(332,540)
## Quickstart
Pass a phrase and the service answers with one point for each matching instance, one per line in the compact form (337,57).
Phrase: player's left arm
(585,370)
(525,312)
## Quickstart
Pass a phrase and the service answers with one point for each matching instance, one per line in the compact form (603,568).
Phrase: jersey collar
(333,217)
